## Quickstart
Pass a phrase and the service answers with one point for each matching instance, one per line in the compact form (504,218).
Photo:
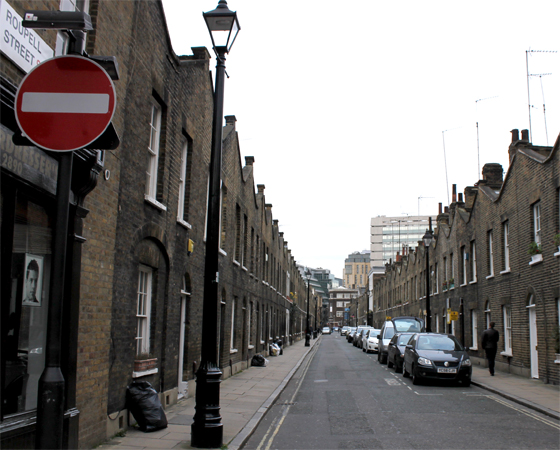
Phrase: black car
(436,356)
(395,350)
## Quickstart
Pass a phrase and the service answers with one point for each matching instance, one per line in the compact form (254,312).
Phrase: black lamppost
(428,239)
(207,428)
(307,331)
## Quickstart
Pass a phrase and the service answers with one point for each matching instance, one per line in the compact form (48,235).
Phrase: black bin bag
(143,402)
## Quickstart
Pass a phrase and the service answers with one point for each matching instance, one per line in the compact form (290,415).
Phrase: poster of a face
(32,280)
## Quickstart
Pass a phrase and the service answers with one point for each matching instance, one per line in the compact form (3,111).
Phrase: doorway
(533,341)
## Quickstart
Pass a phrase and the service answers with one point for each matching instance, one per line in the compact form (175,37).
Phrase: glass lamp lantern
(223,26)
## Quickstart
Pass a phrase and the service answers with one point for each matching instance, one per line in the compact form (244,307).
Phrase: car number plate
(442,370)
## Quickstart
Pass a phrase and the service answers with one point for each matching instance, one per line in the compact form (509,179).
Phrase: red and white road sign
(65,103)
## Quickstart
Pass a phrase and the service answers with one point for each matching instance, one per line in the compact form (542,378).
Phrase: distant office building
(390,234)
(356,269)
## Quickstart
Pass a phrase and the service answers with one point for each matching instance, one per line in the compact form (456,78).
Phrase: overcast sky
(344,104)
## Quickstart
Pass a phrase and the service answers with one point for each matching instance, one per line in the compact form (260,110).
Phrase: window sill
(251,347)
(144,373)
(262,342)
(473,282)
(222,252)
(504,272)
(473,348)
(489,277)
(506,354)
(235,263)
(152,201)
(184,224)
(232,351)
(557,255)
(245,268)
(463,285)
(265,283)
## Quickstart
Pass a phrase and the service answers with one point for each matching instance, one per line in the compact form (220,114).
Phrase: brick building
(480,266)
(136,254)
(356,269)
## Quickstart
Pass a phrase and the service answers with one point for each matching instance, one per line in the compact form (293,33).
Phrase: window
(507,330)
(474,329)
(223,216)
(153,153)
(436,278)
(473,262)
(490,254)
(452,269)
(182,208)
(463,266)
(144,305)
(232,335)
(537,223)
(245,242)
(238,231)
(506,246)
(487,317)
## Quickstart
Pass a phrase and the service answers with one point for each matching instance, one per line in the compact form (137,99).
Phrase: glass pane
(24,356)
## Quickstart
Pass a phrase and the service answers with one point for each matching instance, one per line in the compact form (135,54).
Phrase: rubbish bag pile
(274,349)
(143,402)
(259,361)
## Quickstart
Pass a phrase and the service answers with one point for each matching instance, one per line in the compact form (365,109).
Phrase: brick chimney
(470,196)
(493,175)
(260,188)
(249,160)
(230,120)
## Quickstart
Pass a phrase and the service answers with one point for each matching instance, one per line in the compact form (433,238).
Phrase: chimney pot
(514,135)
(446,210)
(461,197)
(454,195)
(440,205)
(525,135)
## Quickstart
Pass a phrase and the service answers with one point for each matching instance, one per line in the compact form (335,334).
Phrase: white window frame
(182,187)
(507,267)
(487,314)
(537,223)
(490,254)
(232,348)
(474,329)
(143,309)
(464,279)
(473,262)
(153,153)
(506,310)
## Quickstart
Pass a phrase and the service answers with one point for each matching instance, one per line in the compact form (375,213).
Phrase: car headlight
(466,362)
(424,361)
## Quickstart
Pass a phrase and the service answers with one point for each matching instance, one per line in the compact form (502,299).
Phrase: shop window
(25,300)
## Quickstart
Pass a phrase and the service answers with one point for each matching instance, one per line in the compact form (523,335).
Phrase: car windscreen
(438,343)
(403,339)
(408,324)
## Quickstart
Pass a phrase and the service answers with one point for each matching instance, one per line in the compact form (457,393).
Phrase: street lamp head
(428,238)
(307,274)
(223,26)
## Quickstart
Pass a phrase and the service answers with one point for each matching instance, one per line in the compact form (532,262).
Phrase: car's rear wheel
(389,363)
(405,374)
(398,369)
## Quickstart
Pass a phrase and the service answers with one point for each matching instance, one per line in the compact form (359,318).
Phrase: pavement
(246,397)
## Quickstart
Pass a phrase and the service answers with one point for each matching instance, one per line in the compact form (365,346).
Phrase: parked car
(395,350)
(326,330)
(334,329)
(344,330)
(350,334)
(371,341)
(436,356)
(363,338)
(401,324)
(356,338)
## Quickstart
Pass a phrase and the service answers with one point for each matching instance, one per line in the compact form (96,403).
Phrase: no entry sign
(65,103)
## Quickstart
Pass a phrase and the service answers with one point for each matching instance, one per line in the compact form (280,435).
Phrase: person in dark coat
(490,338)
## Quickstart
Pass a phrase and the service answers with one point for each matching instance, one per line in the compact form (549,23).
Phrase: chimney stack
(525,135)
(249,160)
(230,120)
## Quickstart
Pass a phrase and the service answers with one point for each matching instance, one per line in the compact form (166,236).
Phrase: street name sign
(65,103)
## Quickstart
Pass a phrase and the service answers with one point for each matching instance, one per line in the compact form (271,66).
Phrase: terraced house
(136,249)
(496,257)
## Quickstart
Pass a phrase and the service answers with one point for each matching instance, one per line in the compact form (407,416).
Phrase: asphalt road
(341,398)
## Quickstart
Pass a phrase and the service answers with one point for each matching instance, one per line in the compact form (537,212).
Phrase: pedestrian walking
(490,338)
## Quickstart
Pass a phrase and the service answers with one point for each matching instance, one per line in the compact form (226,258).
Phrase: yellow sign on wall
(453,315)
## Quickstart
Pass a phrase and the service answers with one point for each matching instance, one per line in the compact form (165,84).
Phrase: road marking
(392,382)
(321,381)
(277,423)
(527,413)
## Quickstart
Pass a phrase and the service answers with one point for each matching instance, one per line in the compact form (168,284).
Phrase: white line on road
(60,102)
(527,413)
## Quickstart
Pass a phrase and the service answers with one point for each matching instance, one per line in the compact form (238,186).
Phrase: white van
(396,325)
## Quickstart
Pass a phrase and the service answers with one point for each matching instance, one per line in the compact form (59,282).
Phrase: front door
(533,341)
(181,383)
